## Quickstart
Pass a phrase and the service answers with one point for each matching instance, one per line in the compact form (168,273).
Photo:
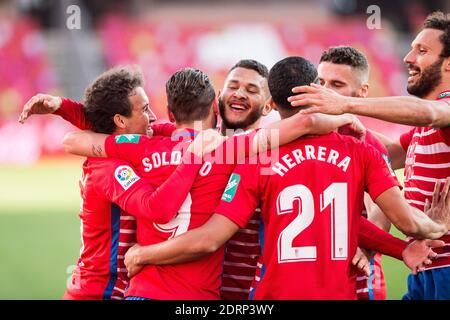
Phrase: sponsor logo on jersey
(125,176)
(128,138)
(230,189)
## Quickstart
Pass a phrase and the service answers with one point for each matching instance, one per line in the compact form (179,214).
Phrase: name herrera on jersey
(297,156)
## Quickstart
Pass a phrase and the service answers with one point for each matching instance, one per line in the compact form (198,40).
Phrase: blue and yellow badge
(128,138)
(231,187)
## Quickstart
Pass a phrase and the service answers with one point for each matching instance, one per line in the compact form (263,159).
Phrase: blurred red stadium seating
(161,48)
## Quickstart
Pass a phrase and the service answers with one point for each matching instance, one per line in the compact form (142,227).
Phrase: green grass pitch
(40,232)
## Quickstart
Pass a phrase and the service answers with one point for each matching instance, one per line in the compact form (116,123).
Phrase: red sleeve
(373,238)
(72,112)
(163,129)
(241,195)
(370,139)
(129,147)
(136,196)
(378,176)
(405,139)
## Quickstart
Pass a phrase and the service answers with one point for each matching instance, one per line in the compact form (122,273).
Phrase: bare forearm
(403,110)
(427,228)
(85,143)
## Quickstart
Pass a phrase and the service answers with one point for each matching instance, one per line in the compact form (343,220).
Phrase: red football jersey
(427,161)
(311,203)
(156,158)
(108,186)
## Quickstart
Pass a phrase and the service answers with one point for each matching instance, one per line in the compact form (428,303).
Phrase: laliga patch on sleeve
(230,189)
(126,176)
(128,138)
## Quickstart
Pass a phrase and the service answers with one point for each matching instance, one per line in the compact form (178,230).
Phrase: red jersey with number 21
(311,204)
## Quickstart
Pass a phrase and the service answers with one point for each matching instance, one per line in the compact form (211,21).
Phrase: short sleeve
(378,176)
(405,139)
(241,195)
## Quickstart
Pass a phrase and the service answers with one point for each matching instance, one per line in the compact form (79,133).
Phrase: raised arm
(404,110)
(289,129)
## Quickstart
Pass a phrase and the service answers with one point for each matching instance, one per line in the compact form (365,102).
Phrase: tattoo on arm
(97,150)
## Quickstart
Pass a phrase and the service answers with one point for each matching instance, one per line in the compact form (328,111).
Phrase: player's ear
(363,90)
(267,107)
(272,104)
(215,106)
(119,121)
(170,115)
(446,64)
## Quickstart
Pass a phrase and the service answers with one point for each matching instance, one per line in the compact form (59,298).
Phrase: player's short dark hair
(346,55)
(190,94)
(252,65)
(287,74)
(440,21)
(109,95)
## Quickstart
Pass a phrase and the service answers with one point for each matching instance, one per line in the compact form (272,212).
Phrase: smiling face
(425,63)
(243,98)
(141,116)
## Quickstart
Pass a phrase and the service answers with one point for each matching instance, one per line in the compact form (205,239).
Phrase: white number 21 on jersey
(299,200)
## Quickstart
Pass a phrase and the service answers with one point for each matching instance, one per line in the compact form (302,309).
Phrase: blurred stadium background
(39,202)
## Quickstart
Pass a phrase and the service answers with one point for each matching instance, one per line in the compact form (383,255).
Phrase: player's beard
(251,118)
(429,79)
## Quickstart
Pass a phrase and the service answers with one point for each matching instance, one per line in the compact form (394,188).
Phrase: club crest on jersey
(125,176)
(230,189)
(127,138)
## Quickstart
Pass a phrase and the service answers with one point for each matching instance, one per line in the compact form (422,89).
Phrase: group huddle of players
(299,209)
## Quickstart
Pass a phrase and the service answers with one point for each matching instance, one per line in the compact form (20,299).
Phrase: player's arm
(289,129)
(395,149)
(412,221)
(233,212)
(189,246)
(85,143)
(403,110)
(383,189)
(69,110)
(415,255)
(91,144)
(137,196)
(375,215)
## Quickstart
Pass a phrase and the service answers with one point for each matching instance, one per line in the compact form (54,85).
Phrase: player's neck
(439,89)
(229,132)
(196,125)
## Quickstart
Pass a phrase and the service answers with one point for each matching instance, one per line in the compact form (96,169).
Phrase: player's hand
(439,210)
(320,99)
(355,128)
(206,141)
(40,104)
(419,254)
(132,261)
(362,261)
